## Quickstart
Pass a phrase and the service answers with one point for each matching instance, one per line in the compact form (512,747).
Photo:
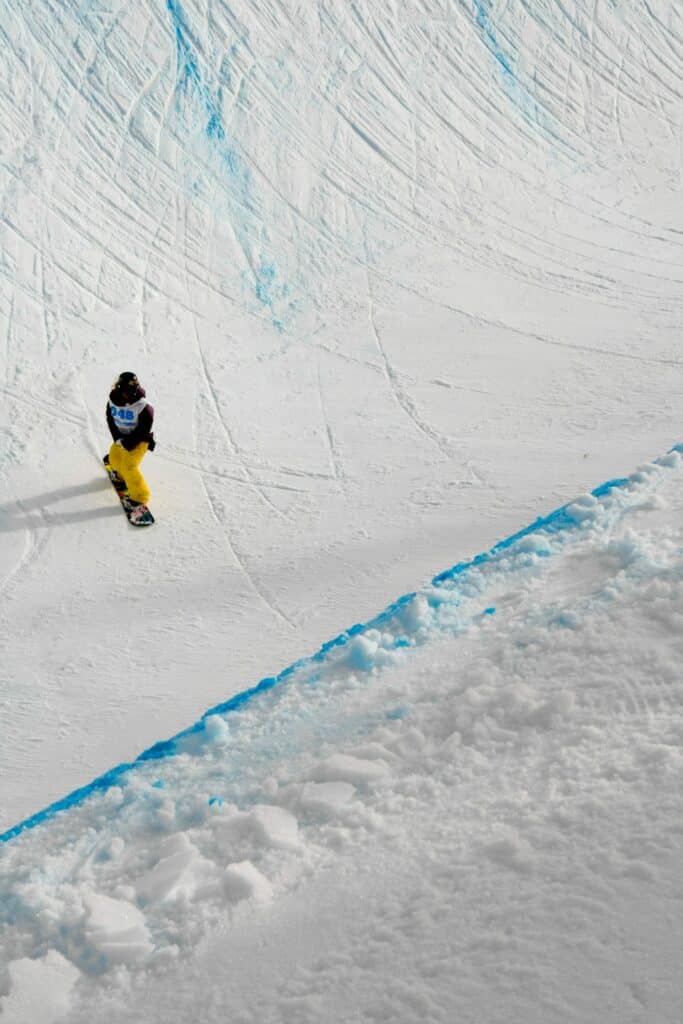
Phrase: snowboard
(137,515)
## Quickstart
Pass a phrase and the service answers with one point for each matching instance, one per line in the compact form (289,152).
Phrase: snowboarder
(130,418)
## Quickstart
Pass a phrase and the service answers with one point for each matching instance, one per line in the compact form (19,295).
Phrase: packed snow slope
(398,277)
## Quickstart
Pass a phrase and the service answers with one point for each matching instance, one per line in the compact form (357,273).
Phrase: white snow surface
(399,279)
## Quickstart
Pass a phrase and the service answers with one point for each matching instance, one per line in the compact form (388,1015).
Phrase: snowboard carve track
(32,547)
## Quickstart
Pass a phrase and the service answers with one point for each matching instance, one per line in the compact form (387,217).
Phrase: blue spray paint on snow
(485,23)
(562,519)
(517,92)
(268,288)
(397,714)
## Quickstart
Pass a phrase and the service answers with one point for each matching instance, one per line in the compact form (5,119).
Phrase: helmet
(127,381)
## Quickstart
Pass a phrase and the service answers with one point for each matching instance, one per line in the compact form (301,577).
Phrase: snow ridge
(501,739)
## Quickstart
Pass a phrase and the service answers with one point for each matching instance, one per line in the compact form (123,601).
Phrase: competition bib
(126,416)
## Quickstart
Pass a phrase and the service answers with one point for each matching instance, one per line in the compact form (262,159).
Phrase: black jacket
(143,428)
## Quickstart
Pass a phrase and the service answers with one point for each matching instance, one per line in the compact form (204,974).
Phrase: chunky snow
(400,279)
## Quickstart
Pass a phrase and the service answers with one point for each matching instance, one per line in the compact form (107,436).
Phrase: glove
(151,444)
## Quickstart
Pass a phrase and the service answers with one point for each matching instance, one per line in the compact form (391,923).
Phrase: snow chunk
(326,796)
(363,651)
(521,706)
(416,614)
(40,990)
(584,508)
(265,825)
(278,826)
(180,871)
(510,852)
(244,881)
(116,928)
(533,543)
(217,729)
(672,460)
(345,768)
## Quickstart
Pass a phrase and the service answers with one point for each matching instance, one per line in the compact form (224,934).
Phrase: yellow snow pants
(127,465)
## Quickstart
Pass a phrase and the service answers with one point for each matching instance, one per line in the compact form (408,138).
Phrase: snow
(404,284)
(115,929)
(40,989)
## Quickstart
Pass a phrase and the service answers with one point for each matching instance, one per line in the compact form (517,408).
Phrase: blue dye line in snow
(518,93)
(267,285)
(485,23)
(553,523)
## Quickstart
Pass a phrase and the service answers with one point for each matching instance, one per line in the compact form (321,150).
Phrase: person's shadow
(16,515)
